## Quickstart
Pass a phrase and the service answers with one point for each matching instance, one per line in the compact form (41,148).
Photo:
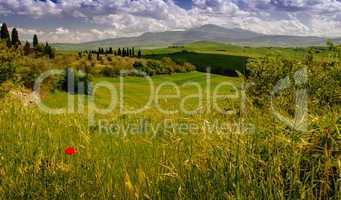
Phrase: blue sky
(186,4)
(87,20)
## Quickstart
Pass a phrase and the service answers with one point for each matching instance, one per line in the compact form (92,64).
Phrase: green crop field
(228,49)
(137,91)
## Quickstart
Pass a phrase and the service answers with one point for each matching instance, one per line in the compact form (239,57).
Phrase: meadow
(244,154)
(226,59)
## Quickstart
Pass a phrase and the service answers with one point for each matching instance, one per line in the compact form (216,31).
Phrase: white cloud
(129,18)
(62,31)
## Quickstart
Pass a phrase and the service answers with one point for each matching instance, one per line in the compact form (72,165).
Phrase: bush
(7,62)
(7,71)
(110,72)
(81,82)
(187,67)
(323,78)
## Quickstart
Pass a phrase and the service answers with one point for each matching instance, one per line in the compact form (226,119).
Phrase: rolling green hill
(221,58)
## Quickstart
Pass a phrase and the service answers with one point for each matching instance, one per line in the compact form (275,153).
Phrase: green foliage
(75,82)
(4,34)
(331,45)
(267,71)
(7,63)
(7,71)
(49,51)
(89,56)
(35,41)
(164,66)
(139,53)
(217,63)
(110,72)
(15,38)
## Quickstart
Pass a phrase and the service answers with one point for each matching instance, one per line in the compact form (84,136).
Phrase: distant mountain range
(204,33)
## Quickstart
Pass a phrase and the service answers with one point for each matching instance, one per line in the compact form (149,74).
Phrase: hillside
(211,33)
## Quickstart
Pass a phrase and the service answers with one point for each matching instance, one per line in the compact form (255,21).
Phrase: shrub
(7,71)
(323,81)
(157,67)
(81,83)
(7,62)
(187,67)
(110,72)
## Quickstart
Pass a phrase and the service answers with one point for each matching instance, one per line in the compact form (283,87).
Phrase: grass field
(221,58)
(226,59)
(228,49)
(143,164)
(168,161)
(137,91)
(241,151)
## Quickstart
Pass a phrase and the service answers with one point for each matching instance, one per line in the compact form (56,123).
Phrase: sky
(75,21)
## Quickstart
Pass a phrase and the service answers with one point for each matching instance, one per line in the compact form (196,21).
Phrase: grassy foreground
(269,161)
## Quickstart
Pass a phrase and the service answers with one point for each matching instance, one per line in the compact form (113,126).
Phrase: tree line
(13,41)
(124,52)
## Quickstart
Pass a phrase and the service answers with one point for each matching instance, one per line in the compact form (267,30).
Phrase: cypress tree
(52,53)
(49,51)
(35,41)
(15,38)
(110,50)
(139,54)
(4,32)
(119,52)
(46,49)
(133,52)
(98,57)
(27,48)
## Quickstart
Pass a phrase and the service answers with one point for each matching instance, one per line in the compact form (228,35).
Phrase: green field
(161,162)
(226,59)
(137,91)
(227,49)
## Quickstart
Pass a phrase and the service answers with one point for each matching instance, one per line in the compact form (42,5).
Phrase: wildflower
(70,151)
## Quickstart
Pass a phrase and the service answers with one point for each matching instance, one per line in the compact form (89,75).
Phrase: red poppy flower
(70,151)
